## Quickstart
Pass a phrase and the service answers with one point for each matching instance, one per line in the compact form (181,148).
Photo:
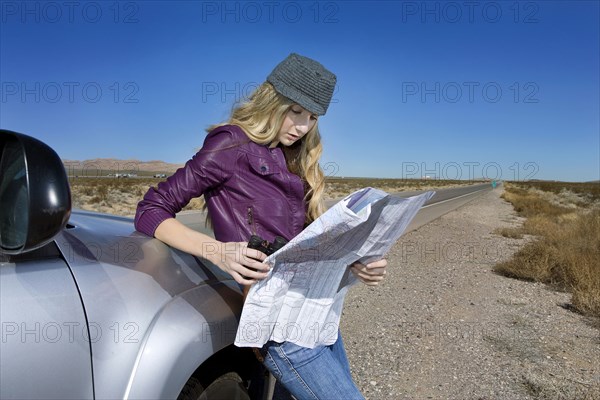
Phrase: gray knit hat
(304,81)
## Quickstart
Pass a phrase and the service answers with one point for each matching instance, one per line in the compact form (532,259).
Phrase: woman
(259,174)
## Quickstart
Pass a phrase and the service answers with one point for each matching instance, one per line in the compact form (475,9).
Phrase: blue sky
(499,89)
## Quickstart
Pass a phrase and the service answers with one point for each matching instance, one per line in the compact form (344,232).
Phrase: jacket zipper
(251,220)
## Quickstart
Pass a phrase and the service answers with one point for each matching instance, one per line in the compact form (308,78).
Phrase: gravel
(443,325)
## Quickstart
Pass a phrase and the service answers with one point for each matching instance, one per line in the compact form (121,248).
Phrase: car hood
(126,281)
(95,238)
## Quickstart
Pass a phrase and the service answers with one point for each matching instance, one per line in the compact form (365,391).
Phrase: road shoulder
(443,325)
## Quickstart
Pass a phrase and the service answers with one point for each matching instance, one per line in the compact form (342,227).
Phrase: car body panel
(191,327)
(147,305)
(44,351)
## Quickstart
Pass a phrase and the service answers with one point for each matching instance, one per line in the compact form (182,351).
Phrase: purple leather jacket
(247,188)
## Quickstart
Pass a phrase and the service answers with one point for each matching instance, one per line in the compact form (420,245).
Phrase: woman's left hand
(370,274)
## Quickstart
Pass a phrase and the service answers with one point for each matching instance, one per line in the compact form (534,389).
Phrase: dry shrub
(529,204)
(109,195)
(511,233)
(534,262)
(139,191)
(586,192)
(583,254)
(102,192)
(567,253)
(94,200)
(88,191)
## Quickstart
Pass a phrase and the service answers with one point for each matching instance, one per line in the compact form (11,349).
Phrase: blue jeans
(321,373)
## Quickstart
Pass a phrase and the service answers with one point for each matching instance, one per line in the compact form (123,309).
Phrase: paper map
(302,298)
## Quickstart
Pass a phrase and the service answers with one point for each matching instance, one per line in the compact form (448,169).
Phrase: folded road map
(302,298)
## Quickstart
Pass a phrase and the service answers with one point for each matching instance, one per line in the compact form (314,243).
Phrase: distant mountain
(116,165)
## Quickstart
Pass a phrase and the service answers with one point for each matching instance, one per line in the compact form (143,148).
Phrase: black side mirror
(35,199)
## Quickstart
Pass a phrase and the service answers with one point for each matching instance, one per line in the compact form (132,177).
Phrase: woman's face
(296,124)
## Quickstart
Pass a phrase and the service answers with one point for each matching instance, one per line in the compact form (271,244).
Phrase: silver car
(92,309)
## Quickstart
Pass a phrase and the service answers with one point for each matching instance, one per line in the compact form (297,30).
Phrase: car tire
(227,386)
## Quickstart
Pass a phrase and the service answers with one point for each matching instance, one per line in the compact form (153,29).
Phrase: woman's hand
(370,274)
(235,258)
(242,263)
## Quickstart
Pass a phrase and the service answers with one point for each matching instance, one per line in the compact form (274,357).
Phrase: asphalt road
(443,201)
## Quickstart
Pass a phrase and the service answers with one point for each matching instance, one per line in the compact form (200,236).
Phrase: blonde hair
(261,117)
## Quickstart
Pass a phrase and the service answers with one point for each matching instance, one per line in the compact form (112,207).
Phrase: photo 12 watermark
(472,12)
(254,331)
(69,92)
(92,169)
(449,251)
(54,12)
(122,252)
(457,331)
(288,12)
(470,170)
(69,332)
(236,92)
(469,92)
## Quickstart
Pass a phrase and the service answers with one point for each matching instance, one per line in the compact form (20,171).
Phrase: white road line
(454,198)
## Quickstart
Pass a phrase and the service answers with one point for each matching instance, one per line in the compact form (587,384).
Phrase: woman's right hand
(235,258)
(241,262)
